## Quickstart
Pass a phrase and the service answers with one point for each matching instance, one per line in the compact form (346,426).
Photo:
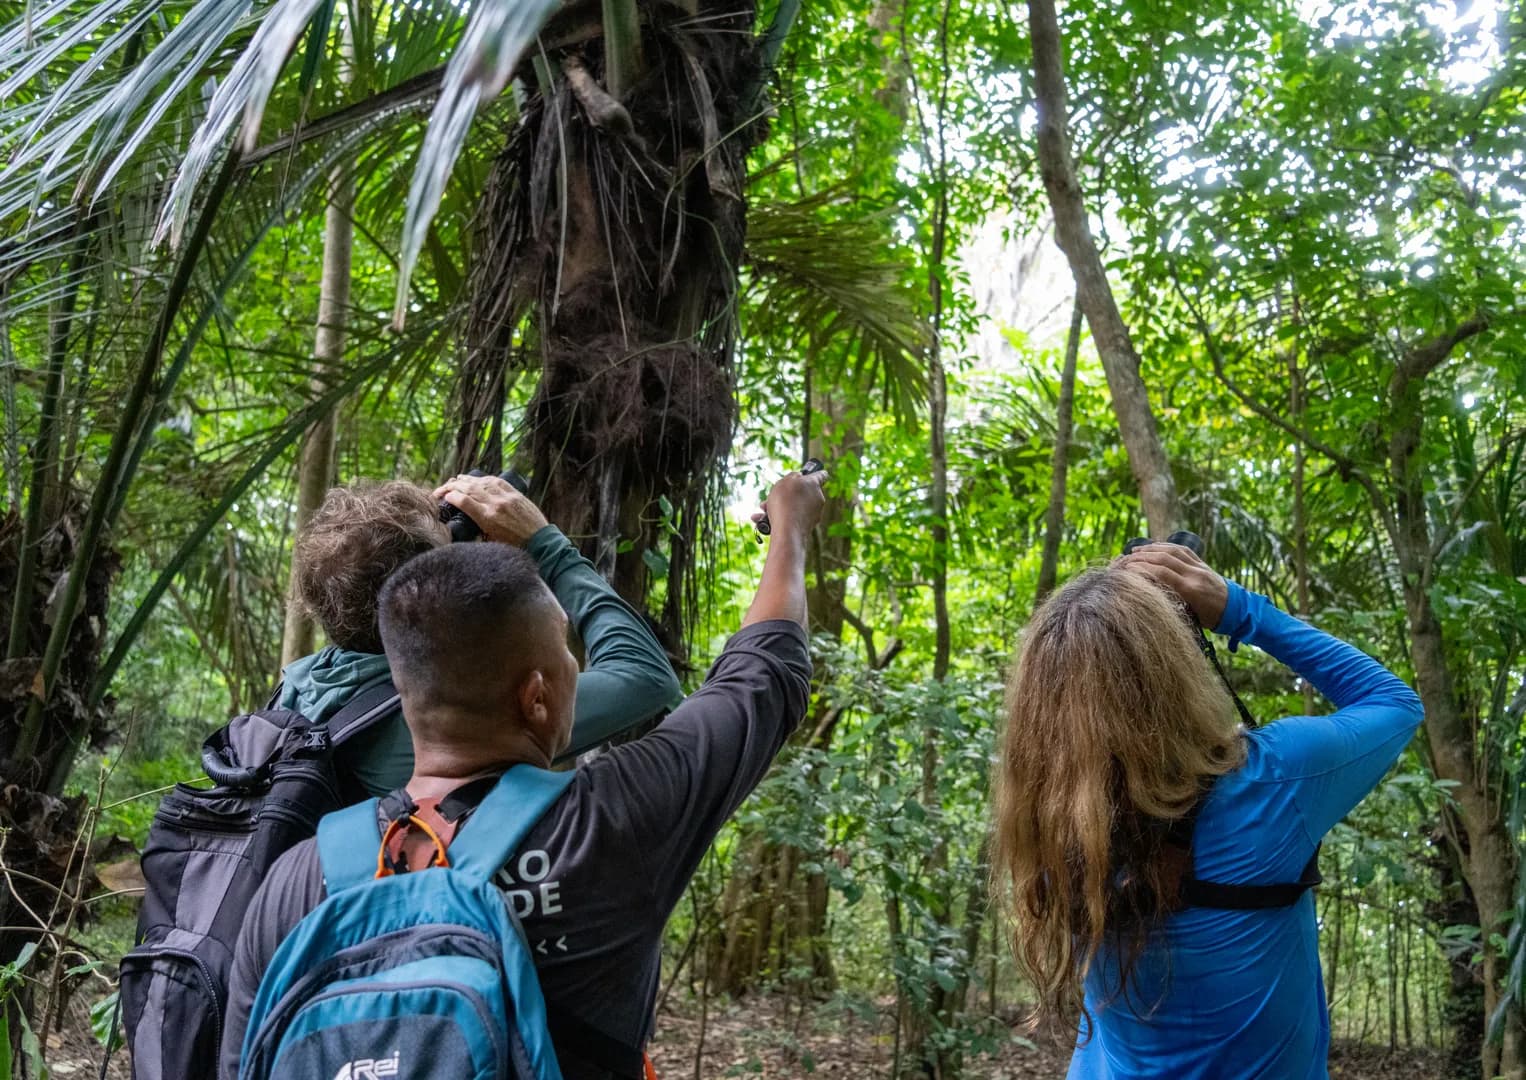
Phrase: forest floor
(766,1037)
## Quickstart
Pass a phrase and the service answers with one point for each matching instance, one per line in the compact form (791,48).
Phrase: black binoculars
(1194,543)
(1189,540)
(462,527)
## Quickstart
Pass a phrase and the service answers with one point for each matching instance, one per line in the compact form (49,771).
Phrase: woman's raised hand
(1179,569)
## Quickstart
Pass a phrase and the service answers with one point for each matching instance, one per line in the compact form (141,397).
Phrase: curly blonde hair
(354,541)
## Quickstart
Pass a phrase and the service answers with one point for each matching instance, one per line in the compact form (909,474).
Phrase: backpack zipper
(501,1053)
(144,954)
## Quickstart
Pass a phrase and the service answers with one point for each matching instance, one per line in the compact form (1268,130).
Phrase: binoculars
(462,527)
(1189,540)
(1194,543)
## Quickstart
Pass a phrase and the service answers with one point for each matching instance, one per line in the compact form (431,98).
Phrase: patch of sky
(1474,46)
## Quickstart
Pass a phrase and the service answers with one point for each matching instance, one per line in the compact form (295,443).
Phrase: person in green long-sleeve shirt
(363,532)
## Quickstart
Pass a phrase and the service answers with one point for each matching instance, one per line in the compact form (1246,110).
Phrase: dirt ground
(757,1038)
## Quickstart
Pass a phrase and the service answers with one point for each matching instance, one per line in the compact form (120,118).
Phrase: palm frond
(831,281)
(31,61)
(267,449)
(183,58)
(243,93)
(219,277)
(478,71)
(76,137)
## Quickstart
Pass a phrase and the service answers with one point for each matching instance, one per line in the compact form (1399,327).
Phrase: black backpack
(208,850)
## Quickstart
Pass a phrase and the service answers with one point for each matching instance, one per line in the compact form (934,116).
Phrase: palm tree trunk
(611,233)
(44,459)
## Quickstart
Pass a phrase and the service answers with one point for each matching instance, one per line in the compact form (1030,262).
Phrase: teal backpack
(414,975)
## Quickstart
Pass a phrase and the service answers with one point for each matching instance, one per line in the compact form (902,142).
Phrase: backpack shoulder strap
(503,818)
(1193,891)
(362,711)
(348,841)
(1216,894)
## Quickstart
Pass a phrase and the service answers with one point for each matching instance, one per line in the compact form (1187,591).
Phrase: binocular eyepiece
(462,527)
(1189,540)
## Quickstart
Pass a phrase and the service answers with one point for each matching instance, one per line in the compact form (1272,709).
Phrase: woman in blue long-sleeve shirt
(1125,784)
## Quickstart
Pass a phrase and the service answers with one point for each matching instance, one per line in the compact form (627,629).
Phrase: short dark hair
(443,613)
(352,543)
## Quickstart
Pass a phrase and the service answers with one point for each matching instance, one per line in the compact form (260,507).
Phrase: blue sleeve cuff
(1239,619)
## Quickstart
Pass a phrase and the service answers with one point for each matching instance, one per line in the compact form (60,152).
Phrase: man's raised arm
(627,678)
(670,792)
(796,500)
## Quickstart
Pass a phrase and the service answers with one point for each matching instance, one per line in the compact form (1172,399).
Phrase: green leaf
(12,971)
(656,562)
(31,1046)
(103,1022)
(317,45)
(5,1045)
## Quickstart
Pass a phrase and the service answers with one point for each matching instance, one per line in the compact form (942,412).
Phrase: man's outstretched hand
(793,507)
(1179,569)
(502,513)
(794,502)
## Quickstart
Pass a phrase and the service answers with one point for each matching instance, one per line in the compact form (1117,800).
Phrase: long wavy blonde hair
(1115,722)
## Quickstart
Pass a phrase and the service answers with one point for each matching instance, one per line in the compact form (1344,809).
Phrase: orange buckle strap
(397,832)
(646,1061)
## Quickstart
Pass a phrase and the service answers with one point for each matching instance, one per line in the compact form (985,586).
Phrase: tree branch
(1420,360)
(834,714)
(1120,360)
(864,632)
(1347,468)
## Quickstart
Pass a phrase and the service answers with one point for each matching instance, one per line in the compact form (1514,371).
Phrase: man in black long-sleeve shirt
(595,880)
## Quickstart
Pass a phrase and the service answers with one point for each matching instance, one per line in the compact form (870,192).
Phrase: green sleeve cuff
(547,541)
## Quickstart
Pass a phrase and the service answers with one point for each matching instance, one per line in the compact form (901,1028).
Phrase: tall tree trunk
(781,897)
(1409,1034)
(1461,1011)
(919,1056)
(1391,958)
(1300,519)
(1335,944)
(1059,461)
(315,467)
(937,421)
(833,432)
(1131,402)
(18,640)
(1489,863)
